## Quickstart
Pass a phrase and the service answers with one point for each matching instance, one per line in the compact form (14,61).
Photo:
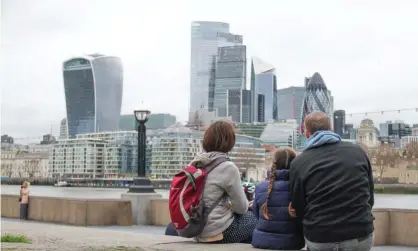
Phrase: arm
(255,208)
(297,192)
(371,182)
(233,188)
(25,192)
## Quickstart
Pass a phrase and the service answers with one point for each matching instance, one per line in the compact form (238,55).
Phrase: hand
(250,204)
(292,211)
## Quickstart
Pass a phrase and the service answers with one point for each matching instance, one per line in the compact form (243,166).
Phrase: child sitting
(276,229)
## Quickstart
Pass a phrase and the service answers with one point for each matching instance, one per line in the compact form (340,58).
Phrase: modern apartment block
(239,105)
(250,129)
(93,93)
(174,149)
(206,38)
(63,129)
(263,82)
(95,155)
(289,102)
(230,74)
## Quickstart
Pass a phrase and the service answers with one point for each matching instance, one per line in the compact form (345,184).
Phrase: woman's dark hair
(219,137)
(281,160)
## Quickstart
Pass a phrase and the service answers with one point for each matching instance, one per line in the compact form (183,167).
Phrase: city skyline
(370,52)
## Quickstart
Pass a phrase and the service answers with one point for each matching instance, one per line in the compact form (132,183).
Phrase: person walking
(331,185)
(24,200)
(275,228)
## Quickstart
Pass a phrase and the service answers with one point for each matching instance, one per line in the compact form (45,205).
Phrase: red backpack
(188,212)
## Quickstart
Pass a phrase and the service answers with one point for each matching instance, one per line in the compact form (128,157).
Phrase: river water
(381,200)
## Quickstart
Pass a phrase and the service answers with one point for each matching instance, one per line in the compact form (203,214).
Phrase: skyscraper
(93,87)
(264,82)
(63,129)
(239,105)
(289,102)
(339,122)
(230,74)
(206,38)
(317,98)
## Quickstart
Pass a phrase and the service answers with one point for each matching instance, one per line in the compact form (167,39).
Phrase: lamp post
(141,184)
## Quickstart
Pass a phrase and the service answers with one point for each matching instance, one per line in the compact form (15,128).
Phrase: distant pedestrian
(24,200)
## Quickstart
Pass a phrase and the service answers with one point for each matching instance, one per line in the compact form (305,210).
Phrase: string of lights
(382,112)
(347,114)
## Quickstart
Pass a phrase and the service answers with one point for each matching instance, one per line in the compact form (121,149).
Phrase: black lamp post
(141,184)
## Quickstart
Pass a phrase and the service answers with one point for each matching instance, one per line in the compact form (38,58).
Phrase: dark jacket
(332,189)
(280,232)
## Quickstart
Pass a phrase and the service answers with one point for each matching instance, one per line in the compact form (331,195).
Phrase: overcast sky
(366,51)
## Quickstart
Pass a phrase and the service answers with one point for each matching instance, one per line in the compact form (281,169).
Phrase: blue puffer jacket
(281,231)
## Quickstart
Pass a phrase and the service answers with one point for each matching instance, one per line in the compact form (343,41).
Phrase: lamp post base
(141,185)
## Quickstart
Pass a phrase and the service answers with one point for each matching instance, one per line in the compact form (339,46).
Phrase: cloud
(365,51)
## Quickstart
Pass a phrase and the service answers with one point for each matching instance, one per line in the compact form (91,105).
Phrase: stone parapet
(79,212)
(392,226)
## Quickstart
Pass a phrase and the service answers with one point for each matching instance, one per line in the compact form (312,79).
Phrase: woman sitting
(276,229)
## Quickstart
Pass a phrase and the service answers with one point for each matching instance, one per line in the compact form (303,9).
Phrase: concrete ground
(47,236)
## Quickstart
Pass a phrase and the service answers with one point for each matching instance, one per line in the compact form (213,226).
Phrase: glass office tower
(93,87)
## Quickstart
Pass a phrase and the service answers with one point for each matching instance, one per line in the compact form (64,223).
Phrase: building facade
(206,38)
(289,102)
(93,87)
(339,122)
(366,133)
(263,82)
(406,140)
(281,133)
(230,74)
(22,164)
(63,129)
(239,105)
(174,149)
(317,98)
(156,121)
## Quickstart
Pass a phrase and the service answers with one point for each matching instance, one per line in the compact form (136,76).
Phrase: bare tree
(385,157)
(411,150)
(246,158)
(31,167)
(7,170)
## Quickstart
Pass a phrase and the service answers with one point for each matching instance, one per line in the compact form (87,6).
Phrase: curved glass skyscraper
(93,87)
(317,98)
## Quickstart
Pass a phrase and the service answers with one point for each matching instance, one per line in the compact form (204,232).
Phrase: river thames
(381,200)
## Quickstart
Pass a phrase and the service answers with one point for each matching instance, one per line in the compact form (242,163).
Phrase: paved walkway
(59,237)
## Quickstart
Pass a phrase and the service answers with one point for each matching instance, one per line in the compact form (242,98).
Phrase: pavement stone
(50,237)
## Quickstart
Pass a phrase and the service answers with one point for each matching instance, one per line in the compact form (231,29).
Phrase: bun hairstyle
(281,160)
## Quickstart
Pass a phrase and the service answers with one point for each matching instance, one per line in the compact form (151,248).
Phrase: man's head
(316,121)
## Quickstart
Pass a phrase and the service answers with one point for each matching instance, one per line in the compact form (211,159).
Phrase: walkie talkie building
(93,87)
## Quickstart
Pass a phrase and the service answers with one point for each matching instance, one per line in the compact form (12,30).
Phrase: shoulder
(261,186)
(228,167)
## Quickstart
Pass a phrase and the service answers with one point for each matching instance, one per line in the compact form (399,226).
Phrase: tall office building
(339,122)
(289,102)
(264,82)
(206,38)
(230,74)
(239,105)
(93,87)
(317,98)
(63,129)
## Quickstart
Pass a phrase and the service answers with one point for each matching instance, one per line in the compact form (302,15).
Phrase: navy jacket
(281,231)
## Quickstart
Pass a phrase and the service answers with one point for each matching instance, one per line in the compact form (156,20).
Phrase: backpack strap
(208,169)
(216,162)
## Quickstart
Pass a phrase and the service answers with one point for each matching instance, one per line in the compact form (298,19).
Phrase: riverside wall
(392,226)
(78,212)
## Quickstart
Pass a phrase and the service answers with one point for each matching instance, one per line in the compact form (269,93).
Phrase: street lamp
(141,184)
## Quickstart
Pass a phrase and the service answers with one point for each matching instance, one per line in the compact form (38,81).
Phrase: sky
(366,52)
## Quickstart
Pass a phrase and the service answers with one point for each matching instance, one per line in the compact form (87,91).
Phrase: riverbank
(395,189)
(48,237)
